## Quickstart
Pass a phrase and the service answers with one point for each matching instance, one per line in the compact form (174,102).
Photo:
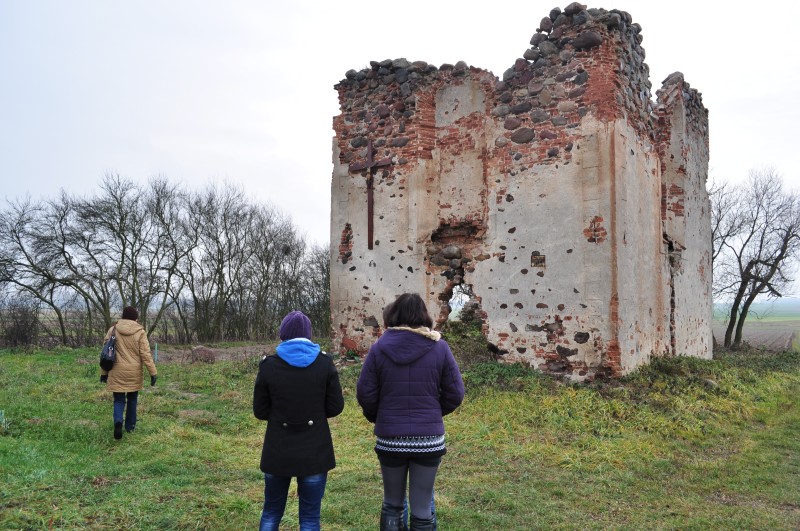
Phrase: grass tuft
(467,342)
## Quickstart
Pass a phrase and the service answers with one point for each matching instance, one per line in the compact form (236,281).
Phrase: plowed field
(766,334)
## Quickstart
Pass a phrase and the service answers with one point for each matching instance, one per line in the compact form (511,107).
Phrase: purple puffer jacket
(408,382)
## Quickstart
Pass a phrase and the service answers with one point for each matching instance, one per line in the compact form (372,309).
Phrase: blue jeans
(310,490)
(119,408)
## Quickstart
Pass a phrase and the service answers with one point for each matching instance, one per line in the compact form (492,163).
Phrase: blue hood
(299,352)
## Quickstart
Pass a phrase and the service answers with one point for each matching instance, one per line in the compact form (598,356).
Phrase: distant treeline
(787,309)
(201,266)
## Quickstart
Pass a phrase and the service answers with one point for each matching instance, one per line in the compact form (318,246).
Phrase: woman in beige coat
(125,379)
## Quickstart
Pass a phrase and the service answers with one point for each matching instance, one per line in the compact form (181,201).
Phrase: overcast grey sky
(242,91)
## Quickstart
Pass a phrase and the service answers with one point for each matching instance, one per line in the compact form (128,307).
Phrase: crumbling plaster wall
(686,214)
(571,203)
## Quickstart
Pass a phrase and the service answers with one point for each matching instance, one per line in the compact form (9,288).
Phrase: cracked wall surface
(569,200)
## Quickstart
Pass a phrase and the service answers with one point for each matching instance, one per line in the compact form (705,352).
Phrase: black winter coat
(296,402)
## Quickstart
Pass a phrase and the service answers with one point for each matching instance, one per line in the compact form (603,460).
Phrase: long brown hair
(407,310)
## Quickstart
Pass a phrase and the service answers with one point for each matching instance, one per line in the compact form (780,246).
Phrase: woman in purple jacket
(409,380)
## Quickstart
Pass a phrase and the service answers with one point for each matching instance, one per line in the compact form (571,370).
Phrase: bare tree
(218,229)
(756,240)
(106,250)
(316,287)
(727,221)
(26,257)
(107,242)
(156,276)
(210,265)
(263,281)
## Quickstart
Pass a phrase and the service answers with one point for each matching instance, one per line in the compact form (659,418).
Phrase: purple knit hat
(295,325)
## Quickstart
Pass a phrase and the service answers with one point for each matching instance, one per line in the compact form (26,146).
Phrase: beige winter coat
(133,350)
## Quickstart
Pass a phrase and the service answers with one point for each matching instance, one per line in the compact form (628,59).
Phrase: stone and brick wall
(570,201)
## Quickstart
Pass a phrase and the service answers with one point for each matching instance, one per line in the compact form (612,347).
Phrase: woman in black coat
(297,390)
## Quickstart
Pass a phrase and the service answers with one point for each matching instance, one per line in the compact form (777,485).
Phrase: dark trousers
(120,407)
(418,473)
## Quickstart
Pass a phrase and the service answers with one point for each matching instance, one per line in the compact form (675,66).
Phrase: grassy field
(683,444)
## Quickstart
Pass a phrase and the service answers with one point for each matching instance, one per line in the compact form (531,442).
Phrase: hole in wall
(462,293)
(450,255)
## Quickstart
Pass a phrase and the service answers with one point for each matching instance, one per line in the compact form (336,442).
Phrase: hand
(103,378)
(152,381)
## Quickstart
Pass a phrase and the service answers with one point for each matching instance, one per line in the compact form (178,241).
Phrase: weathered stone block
(523,135)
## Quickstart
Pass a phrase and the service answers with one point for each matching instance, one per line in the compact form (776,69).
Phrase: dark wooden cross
(372,165)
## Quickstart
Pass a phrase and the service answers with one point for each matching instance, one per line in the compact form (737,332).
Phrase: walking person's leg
(422,476)
(119,410)
(130,414)
(310,490)
(276,490)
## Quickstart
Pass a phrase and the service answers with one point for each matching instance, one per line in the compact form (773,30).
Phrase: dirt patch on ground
(168,354)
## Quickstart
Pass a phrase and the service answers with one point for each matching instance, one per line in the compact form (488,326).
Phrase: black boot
(392,518)
(423,524)
(118,430)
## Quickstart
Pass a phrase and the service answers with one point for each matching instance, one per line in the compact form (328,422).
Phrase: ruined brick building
(571,203)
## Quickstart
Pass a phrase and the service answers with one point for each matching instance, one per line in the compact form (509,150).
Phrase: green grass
(682,444)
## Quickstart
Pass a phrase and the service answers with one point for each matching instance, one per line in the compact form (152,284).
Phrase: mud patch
(184,355)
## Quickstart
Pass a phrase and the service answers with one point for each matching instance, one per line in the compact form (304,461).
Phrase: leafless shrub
(19,321)
(201,354)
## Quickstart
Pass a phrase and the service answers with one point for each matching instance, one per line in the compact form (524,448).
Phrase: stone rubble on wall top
(675,77)
(674,87)
(574,8)
(556,25)
(550,59)
(587,39)
(550,40)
